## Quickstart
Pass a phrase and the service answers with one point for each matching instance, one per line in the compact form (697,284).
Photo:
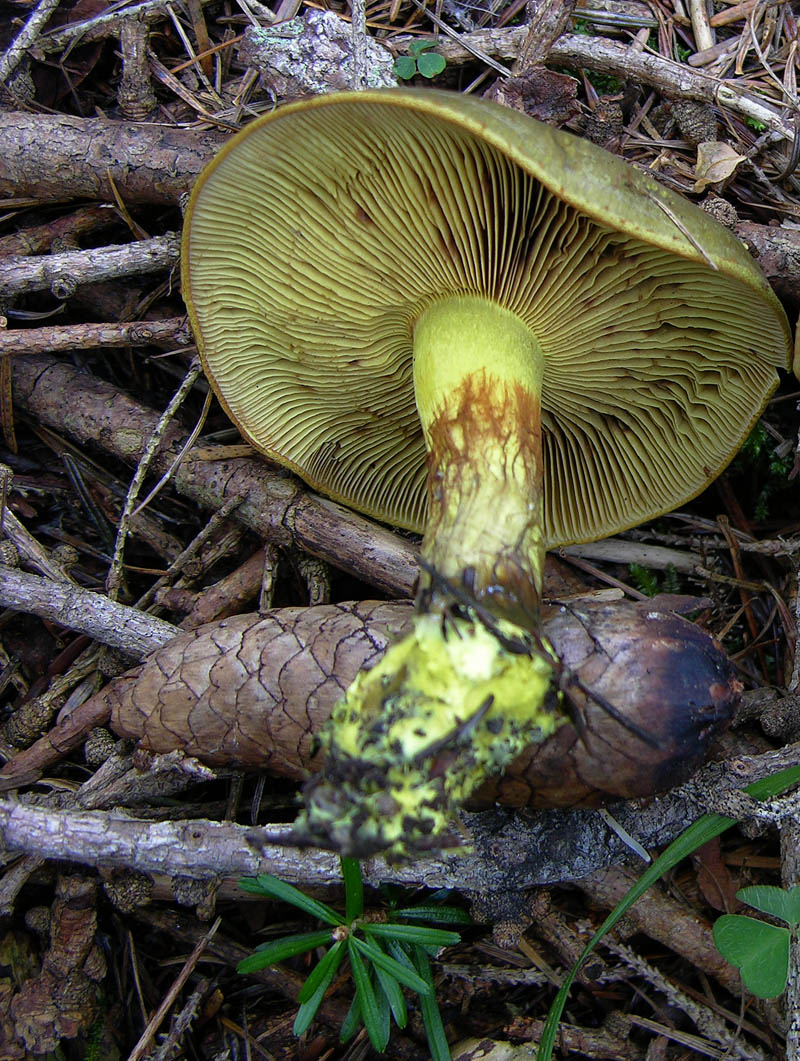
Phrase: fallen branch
(601,55)
(59,158)
(128,629)
(64,273)
(510,852)
(277,507)
(56,338)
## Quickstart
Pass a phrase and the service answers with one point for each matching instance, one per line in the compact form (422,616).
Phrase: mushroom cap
(316,237)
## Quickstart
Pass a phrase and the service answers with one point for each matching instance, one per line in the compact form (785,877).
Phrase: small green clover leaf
(431,64)
(760,951)
(405,66)
(420,60)
(783,903)
(416,48)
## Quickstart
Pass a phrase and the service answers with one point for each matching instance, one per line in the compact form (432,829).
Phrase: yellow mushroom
(464,322)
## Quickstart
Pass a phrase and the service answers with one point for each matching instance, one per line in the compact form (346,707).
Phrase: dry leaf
(716,162)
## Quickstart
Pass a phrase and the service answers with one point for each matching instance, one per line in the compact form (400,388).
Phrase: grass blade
(429,1007)
(382,1002)
(352,1022)
(321,978)
(400,972)
(328,963)
(281,949)
(353,889)
(444,915)
(366,997)
(393,992)
(428,937)
(273,888)
(699,833)
(400,952)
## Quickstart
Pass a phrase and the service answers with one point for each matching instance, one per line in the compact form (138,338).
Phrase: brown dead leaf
(714,878)
(716,163)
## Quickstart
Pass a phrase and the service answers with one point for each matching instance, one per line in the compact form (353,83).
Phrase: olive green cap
(317,236)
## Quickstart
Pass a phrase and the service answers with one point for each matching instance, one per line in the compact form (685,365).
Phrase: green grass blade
(281,949)
(400,972)
(428,937)
(311,998)
(401,954)
(325,967)
(366,997)
(382,1002)
(394,996)
(273,888)
(353,889)
(352,1022)
(393,992)
(429,1007)
(697,834)
(444,915)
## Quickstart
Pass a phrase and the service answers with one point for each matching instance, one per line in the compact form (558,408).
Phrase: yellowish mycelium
(447,706)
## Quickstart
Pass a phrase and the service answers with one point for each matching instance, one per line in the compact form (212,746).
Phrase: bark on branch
(57,158)
(277,507)
(510,852)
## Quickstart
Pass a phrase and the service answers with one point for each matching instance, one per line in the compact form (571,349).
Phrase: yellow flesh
(447,706)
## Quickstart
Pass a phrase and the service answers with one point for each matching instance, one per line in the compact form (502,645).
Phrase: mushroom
(464,322)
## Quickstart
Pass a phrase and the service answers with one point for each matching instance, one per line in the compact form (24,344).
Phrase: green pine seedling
(760,951)
(420,60)
(385,956)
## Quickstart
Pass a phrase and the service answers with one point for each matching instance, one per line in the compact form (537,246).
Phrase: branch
(64,273)
(277,507)
(132,631)
(509,852)
(57,158)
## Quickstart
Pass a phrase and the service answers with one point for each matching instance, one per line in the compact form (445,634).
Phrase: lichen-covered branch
(132,631)
(509,852)
(55,157)
(64,273)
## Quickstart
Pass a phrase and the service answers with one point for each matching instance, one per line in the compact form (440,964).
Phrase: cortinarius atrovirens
(462,321)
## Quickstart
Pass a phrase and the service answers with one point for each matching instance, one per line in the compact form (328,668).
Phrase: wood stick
(277,506)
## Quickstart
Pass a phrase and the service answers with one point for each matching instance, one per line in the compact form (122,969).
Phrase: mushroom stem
(477,379)
(454,701)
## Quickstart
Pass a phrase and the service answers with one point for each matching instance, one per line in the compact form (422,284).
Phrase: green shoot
(644,579)
(385,956)
(699,833)
(760,951)
(647,582)
(420,60)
